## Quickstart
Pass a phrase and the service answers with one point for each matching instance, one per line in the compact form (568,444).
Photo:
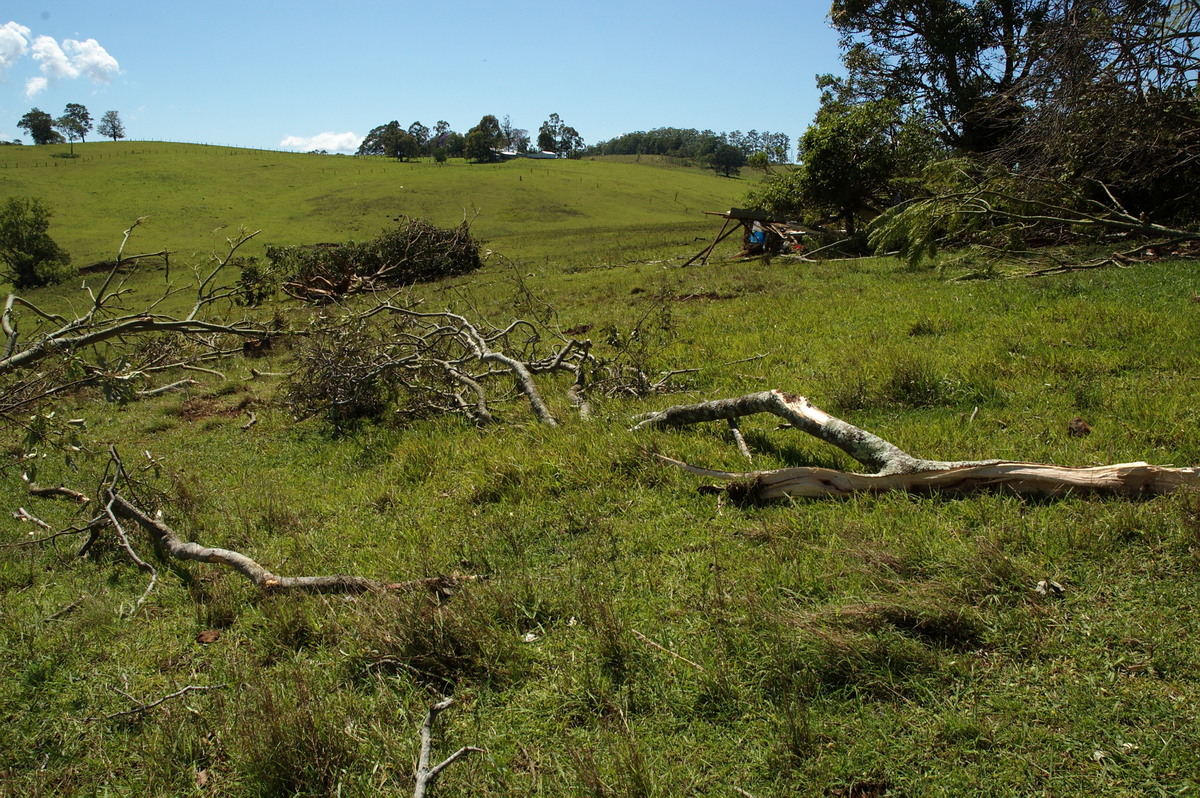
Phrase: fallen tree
(103,320)
(427,362)
(396,357)
(895,469)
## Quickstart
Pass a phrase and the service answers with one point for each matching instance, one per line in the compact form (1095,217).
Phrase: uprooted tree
(1044,131)
(895,469)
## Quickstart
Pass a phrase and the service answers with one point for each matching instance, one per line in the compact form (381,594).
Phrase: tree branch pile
(415,252)
(422,363)
(895,469)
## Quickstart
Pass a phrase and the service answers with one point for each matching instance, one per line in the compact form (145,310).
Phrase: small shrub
(338,377)
(256,284)
(28,254)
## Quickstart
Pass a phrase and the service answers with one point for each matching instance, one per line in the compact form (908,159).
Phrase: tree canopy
(728,160)
(80,120)
(558,137)
(485,140)
(378,140)
(958,114)
(960,61)
(40,126)
(111,126)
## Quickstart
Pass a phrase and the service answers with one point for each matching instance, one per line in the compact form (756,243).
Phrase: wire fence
(57,159)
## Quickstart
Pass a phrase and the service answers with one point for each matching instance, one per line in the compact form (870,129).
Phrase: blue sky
(323,74)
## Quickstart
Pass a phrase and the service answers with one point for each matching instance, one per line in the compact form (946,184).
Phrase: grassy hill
(530,208)
(635,636)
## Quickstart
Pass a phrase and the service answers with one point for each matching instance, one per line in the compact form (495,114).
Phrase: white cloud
(330,142)
(71,60)
(89,58)
(54,62)
(14,43)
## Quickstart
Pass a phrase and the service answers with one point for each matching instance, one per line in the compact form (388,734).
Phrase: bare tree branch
(426,774)
(102,323)
(68,493)
(174,545)
(894,468)
(146,707)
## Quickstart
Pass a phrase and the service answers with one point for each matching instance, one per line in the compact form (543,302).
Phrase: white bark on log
(180,549)
(894,468)
(867,448)
(426,773)
(1124,479)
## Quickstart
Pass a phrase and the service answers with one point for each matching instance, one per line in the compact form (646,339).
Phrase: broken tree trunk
(894,468)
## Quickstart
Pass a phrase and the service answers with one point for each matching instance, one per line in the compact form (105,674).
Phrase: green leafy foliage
(484,140)
(29,256)
(857,159)
(77,119)
(728,160)
(111,126)
(257,282)
(40,127)
(558,137)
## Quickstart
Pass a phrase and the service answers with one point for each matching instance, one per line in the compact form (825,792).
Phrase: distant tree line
(482,143)
(696,145)
(401,143)
(74,125)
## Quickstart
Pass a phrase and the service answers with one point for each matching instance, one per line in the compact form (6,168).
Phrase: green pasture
(196,195)
(634,636)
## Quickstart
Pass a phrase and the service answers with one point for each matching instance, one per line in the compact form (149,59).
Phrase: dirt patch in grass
(203,407)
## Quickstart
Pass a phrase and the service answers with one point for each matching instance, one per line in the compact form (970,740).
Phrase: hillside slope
(190,191)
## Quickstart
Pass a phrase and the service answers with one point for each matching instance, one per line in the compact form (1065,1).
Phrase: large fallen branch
(894,468)
(170,542)
(44,354)
(396,357)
